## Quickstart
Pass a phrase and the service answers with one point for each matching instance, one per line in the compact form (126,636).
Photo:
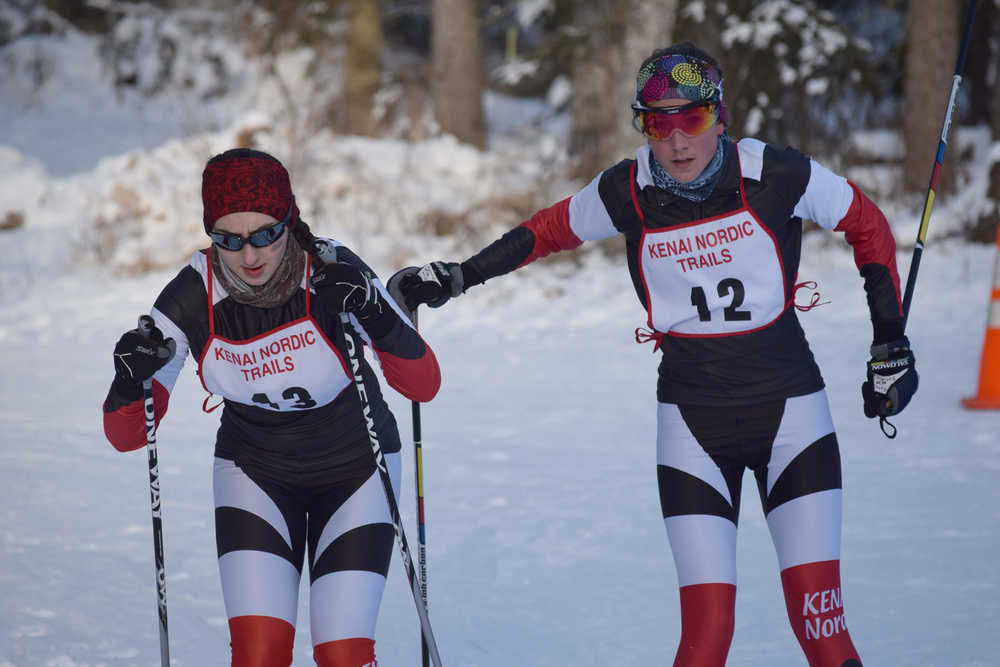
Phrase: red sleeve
(546,232)
(867,231)
(125,427)
(551,230)
(417,379)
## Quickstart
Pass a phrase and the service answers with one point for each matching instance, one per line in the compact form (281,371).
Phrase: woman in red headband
(294,475)
(713,232)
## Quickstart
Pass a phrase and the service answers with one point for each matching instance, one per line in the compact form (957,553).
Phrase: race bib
(289,368)
(712,278)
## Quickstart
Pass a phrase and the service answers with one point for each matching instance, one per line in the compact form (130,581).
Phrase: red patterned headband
(246,180)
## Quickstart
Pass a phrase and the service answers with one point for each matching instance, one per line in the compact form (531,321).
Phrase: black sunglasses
(259,239)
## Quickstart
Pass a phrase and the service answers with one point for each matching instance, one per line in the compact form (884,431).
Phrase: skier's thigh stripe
(677,447)
(807,529)
(275,588)
(331,618)
(804,420)
(367,547)
(683,493)
(233,488)
(365,504)
(816,468)
(237,529)
(704,549)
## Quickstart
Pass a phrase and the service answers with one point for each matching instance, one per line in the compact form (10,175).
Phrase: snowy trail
(545,542)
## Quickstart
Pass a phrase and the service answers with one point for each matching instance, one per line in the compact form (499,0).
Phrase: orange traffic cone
(988,395)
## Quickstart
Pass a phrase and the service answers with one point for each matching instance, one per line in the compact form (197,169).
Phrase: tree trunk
(362,67)
(981,74)
(457,70)
(649,26)
(931,52)
(994,117)
(616,37)
(597,66)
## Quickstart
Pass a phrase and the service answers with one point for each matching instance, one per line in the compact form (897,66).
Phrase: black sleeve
(185,301)
(500,257)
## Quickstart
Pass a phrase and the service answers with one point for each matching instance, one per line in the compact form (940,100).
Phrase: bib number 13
(726,287)
(301,397)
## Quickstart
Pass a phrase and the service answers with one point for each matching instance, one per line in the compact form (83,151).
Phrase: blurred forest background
(809,73)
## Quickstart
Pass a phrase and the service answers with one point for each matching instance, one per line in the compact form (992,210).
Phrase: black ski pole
(421,523)
(956,81)
(397,294)
(145,327)
(325,253)
(397,523)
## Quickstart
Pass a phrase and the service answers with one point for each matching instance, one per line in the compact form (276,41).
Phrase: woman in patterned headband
(713,232)
(294,475)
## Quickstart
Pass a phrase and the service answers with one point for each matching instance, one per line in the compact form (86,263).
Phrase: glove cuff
(884,332)
(882,351)
(380,324)
(470,276)
(124,391)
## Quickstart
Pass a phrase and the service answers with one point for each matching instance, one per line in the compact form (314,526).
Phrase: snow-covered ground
(545,541)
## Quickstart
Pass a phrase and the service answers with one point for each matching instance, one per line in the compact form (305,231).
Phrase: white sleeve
(167,376)
(827,198)
(588,217)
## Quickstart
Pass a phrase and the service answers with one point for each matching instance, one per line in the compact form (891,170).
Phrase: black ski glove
(138,355)
(344,288)
(432,284)
(892,379)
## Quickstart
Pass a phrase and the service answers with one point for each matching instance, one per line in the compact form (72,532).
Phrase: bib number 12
(730,313)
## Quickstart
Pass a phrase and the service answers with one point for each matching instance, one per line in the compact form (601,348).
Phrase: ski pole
(326,253)
(918,248)
(145,327)
(397,294)
(359,383)
(421,531)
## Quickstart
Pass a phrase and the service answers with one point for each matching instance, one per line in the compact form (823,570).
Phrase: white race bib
(290,368)
(712,277)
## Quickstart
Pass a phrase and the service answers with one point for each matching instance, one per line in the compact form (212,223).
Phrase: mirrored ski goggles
(659,122)
(259,239)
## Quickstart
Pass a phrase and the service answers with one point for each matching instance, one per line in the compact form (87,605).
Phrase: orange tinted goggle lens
(692,121)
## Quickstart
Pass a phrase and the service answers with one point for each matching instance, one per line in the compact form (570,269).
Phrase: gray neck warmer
(275,291)
(700,188)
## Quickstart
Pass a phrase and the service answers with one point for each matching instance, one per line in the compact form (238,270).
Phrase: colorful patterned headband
(677,75)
